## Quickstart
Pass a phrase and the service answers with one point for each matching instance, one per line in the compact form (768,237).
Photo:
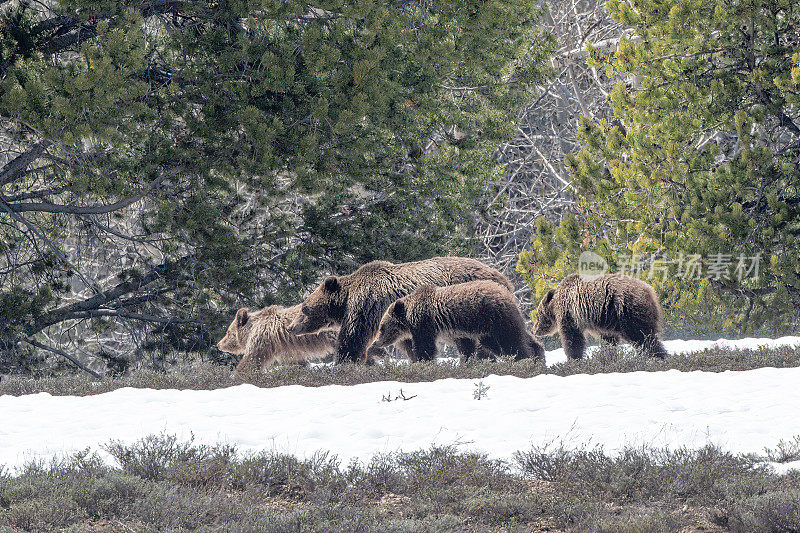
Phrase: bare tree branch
(141,317)
(63,354)
(48,207)
(536,182)
(17,166)
(106,297)
(34,229)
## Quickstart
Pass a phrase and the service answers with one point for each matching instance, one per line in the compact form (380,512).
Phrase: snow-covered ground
(557,356)
(739,411)
(685,346)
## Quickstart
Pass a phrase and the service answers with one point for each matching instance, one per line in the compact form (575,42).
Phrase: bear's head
(394,325)
(235,339)
(323,308)
(545,316)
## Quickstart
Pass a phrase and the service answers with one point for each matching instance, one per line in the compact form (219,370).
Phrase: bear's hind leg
(613,340)
(467,347)
(489,344)
(645,340)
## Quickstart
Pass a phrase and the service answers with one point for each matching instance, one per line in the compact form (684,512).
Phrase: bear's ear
(549,296)
(242,316)
(331,284)
(399,310)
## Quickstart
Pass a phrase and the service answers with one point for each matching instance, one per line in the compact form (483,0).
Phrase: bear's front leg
(573,340)
(654,347)
(355,336)
(650,345)
(245,365)
(489,345)
(350,348)
(424,343)
(406,346)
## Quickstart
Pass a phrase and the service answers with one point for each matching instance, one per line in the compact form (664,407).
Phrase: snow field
(743,412)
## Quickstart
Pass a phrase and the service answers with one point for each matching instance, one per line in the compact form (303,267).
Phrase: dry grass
(162,484)
(204,375)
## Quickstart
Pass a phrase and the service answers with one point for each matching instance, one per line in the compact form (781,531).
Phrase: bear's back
(474,306)
(382,279)
(607,299)
(470,297)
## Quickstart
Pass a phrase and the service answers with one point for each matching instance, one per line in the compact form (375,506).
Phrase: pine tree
(703,158)
(229,153)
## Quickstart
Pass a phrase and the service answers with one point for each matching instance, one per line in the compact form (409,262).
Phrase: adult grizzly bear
(611,306)
(477,312)
(262,338)
(356,302)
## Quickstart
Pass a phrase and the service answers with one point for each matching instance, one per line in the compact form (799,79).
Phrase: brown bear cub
(469,314)
(356,302)
(262,338)
(611,306)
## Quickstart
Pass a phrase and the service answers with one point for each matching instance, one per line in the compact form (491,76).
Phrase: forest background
(164,162)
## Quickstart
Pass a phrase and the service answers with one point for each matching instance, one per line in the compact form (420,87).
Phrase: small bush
(774,511)
(785,451)
(162,457)
(633,521)
(639,475)
(288,476)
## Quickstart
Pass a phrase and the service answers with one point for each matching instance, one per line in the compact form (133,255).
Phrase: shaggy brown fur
(356,302)
(477,312)
(612,307)
(262,338)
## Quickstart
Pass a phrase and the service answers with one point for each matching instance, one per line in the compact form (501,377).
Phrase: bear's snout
(299,325)
(543,327)
(380,342)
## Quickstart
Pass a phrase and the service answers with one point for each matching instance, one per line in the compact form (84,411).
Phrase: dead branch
(63,354)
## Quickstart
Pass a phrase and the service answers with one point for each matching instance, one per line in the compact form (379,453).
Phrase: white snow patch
(743,412)
(685,346)
(783,468)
